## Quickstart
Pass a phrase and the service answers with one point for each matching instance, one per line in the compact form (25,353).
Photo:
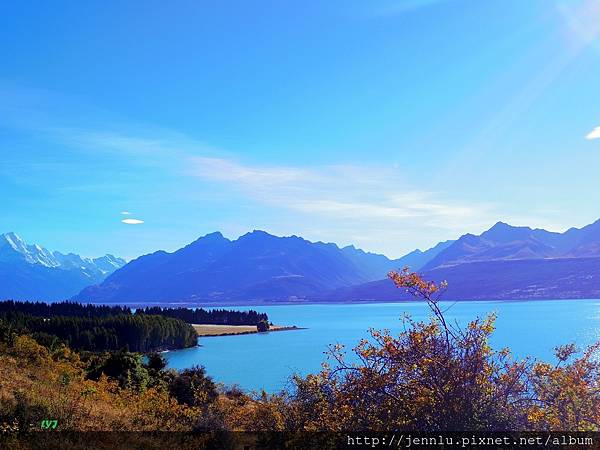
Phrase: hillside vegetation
(101,328)
(433,376)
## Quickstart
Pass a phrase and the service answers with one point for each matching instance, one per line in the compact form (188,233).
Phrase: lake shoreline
(259,304)
(528,328)
(209,330)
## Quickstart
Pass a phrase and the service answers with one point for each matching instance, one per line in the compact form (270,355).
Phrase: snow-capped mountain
(12,248)
(30,271)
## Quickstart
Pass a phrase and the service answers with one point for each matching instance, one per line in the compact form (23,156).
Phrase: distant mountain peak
(502,231)
(18,249)
(214,234)
(207,241)
(45,274)
(110,257)
(500,225)
(260,233)
(209,238)
(13,240)
(257,234)
(12,235)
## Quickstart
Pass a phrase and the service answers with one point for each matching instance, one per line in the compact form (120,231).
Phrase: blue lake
(267,360)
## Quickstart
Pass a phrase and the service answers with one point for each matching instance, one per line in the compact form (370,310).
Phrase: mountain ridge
(259,267)
(30,271)
(524,279)
(505,262)
(506,242)
(256,265)
(502,262)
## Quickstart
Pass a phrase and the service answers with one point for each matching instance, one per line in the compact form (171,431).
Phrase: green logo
(48,424)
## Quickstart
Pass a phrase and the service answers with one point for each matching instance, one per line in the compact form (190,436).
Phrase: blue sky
(386,124)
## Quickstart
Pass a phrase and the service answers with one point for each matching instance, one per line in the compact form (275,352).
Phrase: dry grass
(227,330)
(53,387)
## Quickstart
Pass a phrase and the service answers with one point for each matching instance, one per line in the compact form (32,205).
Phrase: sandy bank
(204,330)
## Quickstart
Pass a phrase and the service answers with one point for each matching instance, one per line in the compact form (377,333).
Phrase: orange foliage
(432,376)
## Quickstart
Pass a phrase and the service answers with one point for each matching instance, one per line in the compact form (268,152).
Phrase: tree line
(212,316)
(112,327)
(137,333)
(66,308)
(189,315)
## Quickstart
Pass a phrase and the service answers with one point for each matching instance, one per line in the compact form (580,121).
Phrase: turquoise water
(267,360)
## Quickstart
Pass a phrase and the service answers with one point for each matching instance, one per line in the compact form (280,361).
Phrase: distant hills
(255,267)
(32,272)
(505,242)
(506,262)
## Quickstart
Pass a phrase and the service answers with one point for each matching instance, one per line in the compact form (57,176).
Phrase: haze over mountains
(35,273)
(504,262)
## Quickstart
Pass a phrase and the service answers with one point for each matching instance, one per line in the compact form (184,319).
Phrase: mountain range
(505,242)
(33,272)
(255,267)
(504,262)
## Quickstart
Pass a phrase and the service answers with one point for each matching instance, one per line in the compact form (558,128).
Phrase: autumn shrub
(125,367)
(36,384)
(437,376)
(431,376)
(566,395)
(27,349)
(156,362)
(251,412)
(193,387)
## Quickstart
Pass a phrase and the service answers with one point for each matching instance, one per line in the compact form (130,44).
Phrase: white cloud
(364,197)
(370,206)
(594,134)
(367,197)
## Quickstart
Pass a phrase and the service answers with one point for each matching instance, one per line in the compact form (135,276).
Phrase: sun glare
(583,20)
